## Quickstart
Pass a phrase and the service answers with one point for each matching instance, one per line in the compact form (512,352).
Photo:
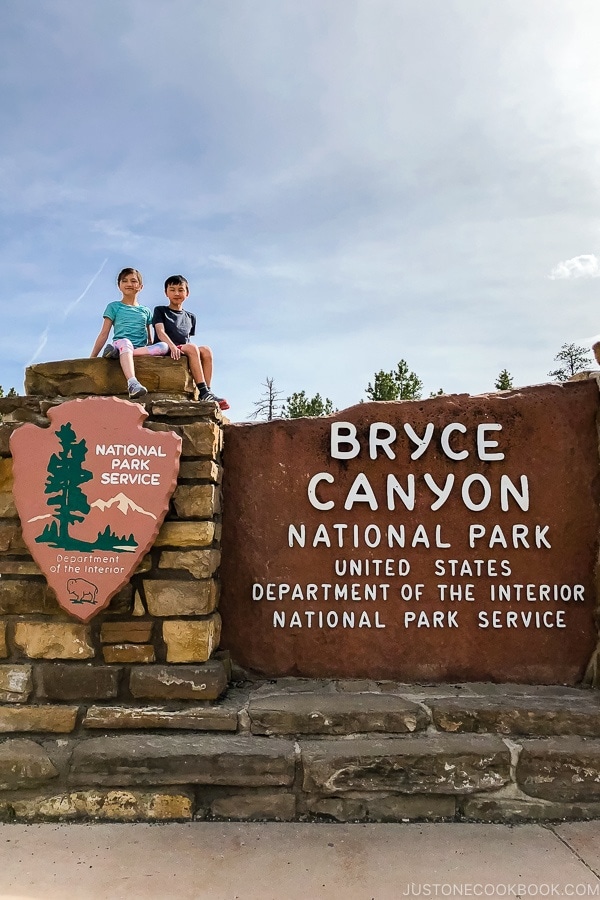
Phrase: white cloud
(584,266)
(42,341)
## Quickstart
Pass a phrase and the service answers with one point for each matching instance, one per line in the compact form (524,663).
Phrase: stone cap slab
(191,718)
(519,715)
(329,713)
(432,764)
(562,769)
(103,377)
(183,759)
(24,763)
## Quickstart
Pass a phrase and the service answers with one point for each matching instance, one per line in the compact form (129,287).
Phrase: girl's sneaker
(110,352)
(135,389)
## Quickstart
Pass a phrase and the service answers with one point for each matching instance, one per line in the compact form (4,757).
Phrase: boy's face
(176,293)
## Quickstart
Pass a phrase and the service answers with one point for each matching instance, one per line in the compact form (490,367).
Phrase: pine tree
(65,475)
(384,387)
(573,358)
(399,384)
(504,381)
(299,405)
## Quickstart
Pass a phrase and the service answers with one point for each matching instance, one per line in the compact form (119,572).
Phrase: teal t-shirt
(129,322)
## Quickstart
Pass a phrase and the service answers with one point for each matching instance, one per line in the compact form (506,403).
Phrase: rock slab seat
(103,377)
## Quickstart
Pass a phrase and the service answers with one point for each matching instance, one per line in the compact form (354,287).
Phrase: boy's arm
(163,336)
(102,337)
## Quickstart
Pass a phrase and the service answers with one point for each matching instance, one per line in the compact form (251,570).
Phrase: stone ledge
(561,769)
(519,715)
(188,409)
(183,759)
(103,377)
(326,713)
(191,718)
(517,809)
(24,763)
(436,764)
(190,761)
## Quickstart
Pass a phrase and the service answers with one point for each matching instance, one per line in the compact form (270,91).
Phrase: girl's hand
(175,352)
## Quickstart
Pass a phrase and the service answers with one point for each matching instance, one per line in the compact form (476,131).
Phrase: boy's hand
(175,352)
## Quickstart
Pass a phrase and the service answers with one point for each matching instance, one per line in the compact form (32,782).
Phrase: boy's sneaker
(136,390)
(110,352)
(210,398)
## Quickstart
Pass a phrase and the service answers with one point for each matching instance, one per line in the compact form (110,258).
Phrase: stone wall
(313,750)
(128,717)
(156,642)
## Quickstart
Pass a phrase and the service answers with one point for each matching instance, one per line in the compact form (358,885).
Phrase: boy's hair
(176,279)
(125,272)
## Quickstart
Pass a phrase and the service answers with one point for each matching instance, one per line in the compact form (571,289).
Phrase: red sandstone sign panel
(92,492)
(448,539)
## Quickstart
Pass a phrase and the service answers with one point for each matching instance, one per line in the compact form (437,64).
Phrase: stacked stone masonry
(129,717)
(156,642)
(299,750)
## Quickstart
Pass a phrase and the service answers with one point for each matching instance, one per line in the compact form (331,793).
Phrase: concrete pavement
(292,861)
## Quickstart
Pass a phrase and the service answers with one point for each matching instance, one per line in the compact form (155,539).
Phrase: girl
(132,334)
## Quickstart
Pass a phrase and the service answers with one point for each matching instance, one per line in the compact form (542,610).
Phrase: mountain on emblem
(123,503)
(87,538)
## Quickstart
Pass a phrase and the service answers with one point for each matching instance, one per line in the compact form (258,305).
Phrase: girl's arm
(102,337)
(162,336)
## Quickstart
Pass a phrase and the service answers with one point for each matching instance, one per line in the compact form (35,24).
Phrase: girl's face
(130,284)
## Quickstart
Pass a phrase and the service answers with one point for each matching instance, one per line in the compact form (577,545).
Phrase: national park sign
(92,492)
(453,538)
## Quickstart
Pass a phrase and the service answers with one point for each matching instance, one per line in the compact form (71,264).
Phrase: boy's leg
(192,353)
(200,373)
(206,359)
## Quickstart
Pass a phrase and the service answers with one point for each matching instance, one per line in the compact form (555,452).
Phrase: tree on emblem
(65,477)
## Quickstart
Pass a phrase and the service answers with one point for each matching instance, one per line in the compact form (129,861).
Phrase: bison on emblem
(81,591)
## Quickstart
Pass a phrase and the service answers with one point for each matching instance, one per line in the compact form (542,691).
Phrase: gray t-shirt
(179,325)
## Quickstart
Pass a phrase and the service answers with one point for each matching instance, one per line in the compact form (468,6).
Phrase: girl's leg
(125,348)
(126,351)
(158,349)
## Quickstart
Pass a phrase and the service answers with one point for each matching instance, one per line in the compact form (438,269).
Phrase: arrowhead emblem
(92,492)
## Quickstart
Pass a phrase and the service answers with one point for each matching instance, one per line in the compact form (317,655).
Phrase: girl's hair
(125,272)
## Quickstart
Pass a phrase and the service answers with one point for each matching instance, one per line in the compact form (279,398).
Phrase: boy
(175,326)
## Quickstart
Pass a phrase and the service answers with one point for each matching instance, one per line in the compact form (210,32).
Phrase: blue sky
(345,183)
